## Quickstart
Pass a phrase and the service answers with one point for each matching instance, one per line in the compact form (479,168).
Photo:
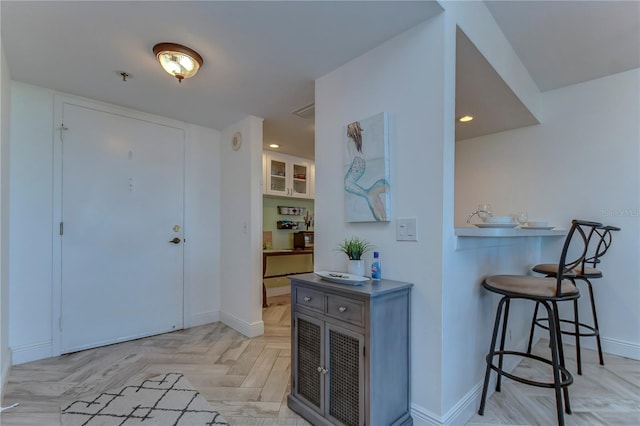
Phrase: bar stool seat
(546,292)
(527,286)
(552,269)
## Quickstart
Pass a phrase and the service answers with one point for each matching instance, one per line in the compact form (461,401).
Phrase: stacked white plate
(497,222)
(498,219)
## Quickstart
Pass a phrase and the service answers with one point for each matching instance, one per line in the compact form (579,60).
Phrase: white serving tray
(342,277)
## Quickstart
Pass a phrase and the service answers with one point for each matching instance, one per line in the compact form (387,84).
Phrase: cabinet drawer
(309,298)
(349,310)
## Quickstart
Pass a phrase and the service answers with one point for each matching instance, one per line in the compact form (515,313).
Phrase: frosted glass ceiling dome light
(177,60)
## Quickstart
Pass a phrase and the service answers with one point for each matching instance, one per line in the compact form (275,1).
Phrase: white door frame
(56,267)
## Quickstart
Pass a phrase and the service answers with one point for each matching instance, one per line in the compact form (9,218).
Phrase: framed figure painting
(366,170)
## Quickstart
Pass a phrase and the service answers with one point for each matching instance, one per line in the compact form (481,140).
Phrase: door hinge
(61,228)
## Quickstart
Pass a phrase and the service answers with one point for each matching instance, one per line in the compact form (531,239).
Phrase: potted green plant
(354,248)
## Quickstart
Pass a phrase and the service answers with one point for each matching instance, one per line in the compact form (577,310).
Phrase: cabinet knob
(319,369)
(307,299)
(342,308)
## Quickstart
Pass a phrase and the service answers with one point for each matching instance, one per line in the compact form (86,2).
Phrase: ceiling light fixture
(465,119)
(177,60)
(274,145)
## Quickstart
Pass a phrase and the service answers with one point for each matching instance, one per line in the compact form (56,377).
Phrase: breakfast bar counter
(470,237)
(472,231)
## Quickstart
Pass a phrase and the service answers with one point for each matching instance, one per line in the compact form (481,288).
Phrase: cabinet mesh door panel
(344,370)
(309,339)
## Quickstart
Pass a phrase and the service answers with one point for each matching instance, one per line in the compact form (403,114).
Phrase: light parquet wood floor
(247,380)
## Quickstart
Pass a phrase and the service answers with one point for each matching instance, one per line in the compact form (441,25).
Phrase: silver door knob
(342,308)
(307,299)
(175,240)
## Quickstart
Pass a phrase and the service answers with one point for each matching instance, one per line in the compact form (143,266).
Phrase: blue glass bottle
(376,271)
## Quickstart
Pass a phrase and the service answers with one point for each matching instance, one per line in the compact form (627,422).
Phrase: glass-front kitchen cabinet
(287,176)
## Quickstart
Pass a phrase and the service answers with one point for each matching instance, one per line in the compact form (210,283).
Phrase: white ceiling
(261,58)
(568,42)
(559,42)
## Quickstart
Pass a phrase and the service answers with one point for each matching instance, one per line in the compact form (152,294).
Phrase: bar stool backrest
(603,244)
(583,230)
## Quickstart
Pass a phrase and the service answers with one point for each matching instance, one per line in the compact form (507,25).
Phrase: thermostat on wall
(236,141)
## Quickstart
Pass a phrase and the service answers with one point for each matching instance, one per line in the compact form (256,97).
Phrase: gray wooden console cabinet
(350,352)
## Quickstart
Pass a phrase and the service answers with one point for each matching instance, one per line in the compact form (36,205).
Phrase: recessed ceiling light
(274,145)
(465,118)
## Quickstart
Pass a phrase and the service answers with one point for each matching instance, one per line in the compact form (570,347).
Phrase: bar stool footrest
(566,379)
(540,322)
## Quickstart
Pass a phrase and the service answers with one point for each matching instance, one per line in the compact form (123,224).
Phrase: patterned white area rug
(163,400)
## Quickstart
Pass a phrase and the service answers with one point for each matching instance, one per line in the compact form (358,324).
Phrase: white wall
(5,98)
(202,225)
(31,212)
(412,77)
(31,258)
(583,162)
(467,310)
(241,228)
(405,78)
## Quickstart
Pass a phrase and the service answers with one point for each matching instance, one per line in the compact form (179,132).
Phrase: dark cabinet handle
(176,240)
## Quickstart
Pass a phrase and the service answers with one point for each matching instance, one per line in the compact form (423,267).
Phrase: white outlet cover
(406,229)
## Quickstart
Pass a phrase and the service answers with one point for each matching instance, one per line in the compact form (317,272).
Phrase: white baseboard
(465,408)
(248,329)
(31,352)
(423,417)
(204,318)
(460,414)
(620,348)
(609,346)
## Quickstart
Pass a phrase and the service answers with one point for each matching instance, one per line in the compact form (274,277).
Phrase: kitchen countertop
(472,231)
(471,237)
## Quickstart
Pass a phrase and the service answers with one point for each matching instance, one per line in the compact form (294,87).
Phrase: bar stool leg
(533,325)
(555,360)
(489,358)
(577,331)
(502,339)
(595,320)
(560,349)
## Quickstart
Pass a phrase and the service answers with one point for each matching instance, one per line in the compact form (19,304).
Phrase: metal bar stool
(547,292)
(583,272)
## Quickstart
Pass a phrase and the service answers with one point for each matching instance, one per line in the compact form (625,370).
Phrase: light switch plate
(406,229)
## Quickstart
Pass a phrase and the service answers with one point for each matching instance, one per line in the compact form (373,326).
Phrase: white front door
(122,204)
